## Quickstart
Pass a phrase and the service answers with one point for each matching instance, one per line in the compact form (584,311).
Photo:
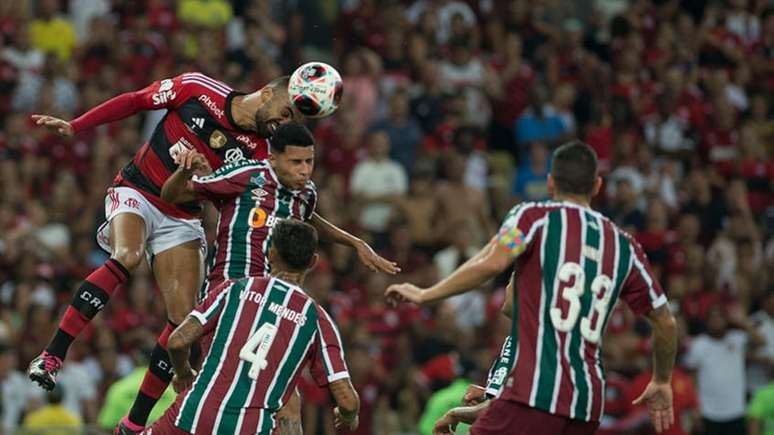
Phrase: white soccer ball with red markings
(315,89)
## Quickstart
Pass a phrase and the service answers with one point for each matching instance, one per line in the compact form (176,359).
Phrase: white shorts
(161,231)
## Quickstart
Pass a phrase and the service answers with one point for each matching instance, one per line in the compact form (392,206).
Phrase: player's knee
(129,258)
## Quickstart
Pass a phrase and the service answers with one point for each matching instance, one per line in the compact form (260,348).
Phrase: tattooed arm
(179,348)
(289,416)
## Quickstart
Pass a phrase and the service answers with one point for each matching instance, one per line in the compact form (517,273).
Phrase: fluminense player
(572,265)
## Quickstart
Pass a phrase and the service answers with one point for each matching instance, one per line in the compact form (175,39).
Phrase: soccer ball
(315,89)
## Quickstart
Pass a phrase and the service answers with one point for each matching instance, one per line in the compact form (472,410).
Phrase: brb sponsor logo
(207,101)
(259,218)
(165,93)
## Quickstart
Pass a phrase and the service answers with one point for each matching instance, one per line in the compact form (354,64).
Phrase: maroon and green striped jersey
(250,200)
(572,265)
(259,334)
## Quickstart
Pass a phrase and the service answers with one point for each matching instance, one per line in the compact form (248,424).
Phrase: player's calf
(90,299)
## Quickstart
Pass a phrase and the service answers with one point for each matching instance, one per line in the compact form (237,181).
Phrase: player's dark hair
(295,242)
(574,168)
(291,133)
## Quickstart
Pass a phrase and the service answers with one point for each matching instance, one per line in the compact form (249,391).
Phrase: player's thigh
(129,222)
(179,272)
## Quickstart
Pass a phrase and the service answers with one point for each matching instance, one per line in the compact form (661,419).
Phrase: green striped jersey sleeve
(500,369)
(227,182)
(208,312)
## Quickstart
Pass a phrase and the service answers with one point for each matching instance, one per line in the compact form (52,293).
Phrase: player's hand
(193,161)
(374,261)
(474,395)
(181,381)
(658,398)
(445,425)
(405,292)
(339,421)
(59,126)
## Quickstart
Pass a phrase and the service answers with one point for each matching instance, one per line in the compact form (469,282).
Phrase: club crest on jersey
(234,155)
(259,180)
(217,140)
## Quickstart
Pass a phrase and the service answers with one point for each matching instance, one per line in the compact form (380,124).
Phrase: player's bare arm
(289,416)
(658,393)
(347,404)
(177,189)
(485,265)
(179,348)
(367,255)
(463,414)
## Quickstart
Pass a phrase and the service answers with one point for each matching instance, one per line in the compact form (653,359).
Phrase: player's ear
(313,261)
(597,186)
(550,184)
(266,93)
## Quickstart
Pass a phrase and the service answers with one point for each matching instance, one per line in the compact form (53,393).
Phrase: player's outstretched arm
(658,394)
(114,109)
(367,255)
(179,348)
(485,265)
(347,404)
(178,189)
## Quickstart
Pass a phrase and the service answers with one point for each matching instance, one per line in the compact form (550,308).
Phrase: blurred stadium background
(450,112)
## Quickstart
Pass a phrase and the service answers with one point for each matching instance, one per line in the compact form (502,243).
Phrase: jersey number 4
(601,287)
(257,347)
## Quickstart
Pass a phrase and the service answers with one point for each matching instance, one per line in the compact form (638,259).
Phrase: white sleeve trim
(661,300)
(494,392)
(338,376)
(199,317)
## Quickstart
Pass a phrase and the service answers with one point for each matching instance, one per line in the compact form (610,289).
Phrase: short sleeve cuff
(661,300)
(338,376)
(199,317)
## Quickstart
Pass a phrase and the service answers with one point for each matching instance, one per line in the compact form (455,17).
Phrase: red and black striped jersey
(198,116)
(260,333)
(572,265)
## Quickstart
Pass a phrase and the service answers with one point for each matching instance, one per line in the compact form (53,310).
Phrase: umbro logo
(198,122)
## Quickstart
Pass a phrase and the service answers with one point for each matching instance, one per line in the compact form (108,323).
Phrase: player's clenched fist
(340,420)
(56,125)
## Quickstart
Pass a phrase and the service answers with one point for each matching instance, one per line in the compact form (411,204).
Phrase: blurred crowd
(450,113)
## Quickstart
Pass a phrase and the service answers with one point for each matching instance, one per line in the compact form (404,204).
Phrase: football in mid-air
(315,89)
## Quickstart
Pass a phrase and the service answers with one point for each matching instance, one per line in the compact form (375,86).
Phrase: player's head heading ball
(276,108)
(292,154)
(574,170)
(293,246)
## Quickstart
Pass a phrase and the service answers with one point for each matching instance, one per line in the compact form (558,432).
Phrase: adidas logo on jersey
(198,122)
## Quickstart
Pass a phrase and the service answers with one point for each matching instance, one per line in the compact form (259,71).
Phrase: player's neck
(243,110)
(296,278)
(575,199)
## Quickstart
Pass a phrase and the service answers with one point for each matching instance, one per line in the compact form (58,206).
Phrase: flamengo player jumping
(203,114)
(572,264)
(260,333)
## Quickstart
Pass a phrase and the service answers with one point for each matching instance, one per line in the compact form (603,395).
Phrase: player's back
(260,333)
(573,266)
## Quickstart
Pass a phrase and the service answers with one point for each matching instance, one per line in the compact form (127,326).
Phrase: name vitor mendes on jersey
(198,117)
